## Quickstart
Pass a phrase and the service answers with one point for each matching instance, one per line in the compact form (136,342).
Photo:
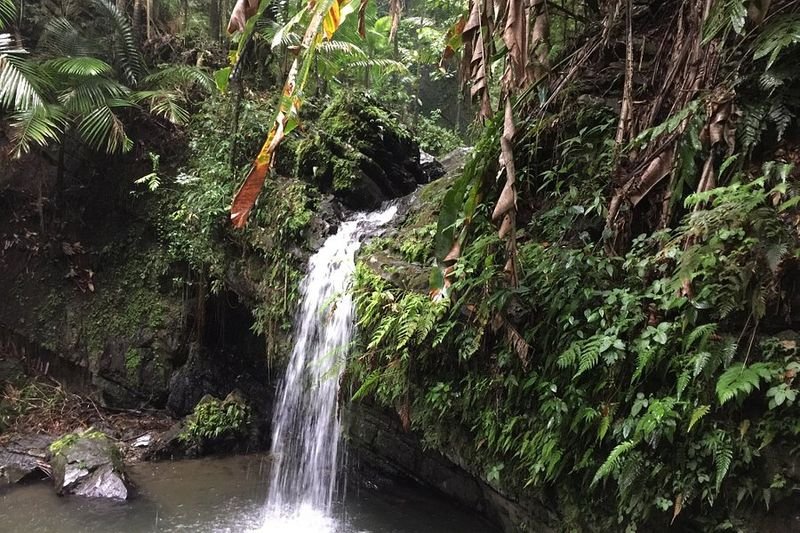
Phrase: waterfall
(306,426)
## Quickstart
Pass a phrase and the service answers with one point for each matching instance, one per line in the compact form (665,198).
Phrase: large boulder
(23,456)
(360,153)
(88,464)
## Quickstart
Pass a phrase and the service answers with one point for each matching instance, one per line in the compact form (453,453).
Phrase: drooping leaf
(21,82)
(8,13)
(288,109)
(36,126)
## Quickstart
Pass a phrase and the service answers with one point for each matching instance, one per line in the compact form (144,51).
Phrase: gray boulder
(88,464)
(23,456)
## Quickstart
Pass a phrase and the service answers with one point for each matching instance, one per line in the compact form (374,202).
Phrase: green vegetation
(67,441)
(215,419)
(599,312)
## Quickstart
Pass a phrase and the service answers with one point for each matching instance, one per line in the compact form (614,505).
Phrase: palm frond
(79,66)
(8,13)
(9,44)
(166,104)
(174,76)
(103,131)
(385,65)
(36,126)
(61,38)
(92,92)
(126,49)
(21,82)
(341,47)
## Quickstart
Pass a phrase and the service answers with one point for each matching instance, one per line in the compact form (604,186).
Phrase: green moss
(58,446)
(133,360)
(68,440)
(345,174)
(336,155)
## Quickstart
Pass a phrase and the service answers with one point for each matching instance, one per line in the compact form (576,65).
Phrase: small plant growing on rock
(214,419)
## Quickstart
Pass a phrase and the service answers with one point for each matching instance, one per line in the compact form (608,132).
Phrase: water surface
(222,495)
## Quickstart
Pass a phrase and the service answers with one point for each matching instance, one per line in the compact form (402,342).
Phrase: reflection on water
(220,495)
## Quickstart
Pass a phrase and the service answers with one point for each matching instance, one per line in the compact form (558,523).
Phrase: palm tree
(78,83)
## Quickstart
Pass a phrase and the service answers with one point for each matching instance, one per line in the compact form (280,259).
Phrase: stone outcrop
(88,464)
(22,457)
(360,153)
(379,448)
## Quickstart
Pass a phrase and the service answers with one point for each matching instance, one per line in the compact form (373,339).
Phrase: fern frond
(702,333)
(612,463)
(739,380)
(723,456)
(701,359)
(781,33)
(697,415)
(725,14)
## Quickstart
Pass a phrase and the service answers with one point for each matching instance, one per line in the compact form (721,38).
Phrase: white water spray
(306,426)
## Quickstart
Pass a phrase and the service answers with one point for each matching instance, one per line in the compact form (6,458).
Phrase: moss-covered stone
(359,152)
(88,464)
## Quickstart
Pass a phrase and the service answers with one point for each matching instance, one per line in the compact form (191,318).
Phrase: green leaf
(222,78)
(8,13)
(698,414)
(79,66)
(613,461)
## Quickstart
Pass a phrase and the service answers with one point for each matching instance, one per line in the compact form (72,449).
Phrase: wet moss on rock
(360,153)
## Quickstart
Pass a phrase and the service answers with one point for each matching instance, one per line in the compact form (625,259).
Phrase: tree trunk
(214,18)
(136,20)
(185,8)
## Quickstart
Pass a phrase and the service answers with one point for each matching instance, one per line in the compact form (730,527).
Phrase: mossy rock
(360,153)
(88,464)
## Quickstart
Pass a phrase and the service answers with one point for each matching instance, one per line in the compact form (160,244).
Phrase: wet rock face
(383,451)
(88,464)
(360,153)
(22,457)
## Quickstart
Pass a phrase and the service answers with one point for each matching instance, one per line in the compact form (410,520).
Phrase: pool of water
(223,495)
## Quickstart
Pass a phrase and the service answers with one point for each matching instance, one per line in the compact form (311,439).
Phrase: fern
(739,380)
(701,333)
(612,463)
(752,124)
(781,33)
(700,361)
(697,415)
(725,14)
(723,456)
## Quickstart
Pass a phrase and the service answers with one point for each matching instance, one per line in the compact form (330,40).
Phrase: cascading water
(306,427)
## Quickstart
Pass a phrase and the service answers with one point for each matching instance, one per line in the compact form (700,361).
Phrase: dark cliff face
(381,452)
(360,153)
(101,288)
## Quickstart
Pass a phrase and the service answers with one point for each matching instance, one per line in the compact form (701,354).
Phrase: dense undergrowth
(637,388)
